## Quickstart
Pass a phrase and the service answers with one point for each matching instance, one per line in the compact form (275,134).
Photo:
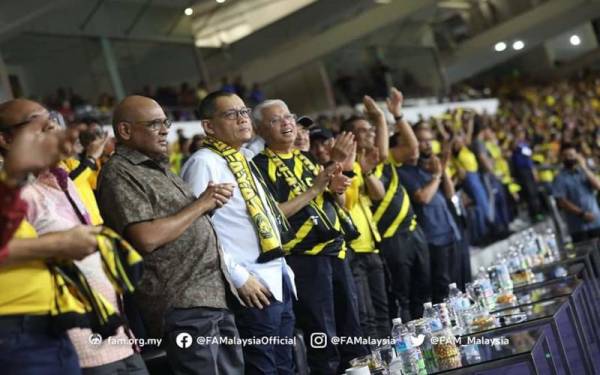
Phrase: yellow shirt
(27,288)
(359,206)
(436,147)
(175,160)
(545,173)
(467,160)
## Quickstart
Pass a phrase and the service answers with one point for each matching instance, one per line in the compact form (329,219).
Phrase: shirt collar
(393,161)
(136,157)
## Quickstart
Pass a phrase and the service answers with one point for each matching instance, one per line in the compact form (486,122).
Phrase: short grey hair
(257,114)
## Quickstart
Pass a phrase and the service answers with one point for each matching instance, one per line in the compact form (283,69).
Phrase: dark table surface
(551,274)
(577,253)
(521,315)
(502,348)
(543,292)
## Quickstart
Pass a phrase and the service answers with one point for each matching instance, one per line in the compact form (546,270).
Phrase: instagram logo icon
(318,340)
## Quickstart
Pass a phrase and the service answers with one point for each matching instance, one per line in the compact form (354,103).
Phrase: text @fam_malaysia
(318,340)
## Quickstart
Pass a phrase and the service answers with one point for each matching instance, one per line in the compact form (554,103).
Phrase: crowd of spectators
(180,103)
(281,221)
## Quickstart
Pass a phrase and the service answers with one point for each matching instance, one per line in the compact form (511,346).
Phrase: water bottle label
(435,325)
(401,346)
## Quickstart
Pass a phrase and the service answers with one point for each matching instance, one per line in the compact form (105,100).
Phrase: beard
(425,154)
(570,163)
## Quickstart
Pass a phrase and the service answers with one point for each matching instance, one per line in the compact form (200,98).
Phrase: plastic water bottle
(431,315)
(443,315)
(395,367)
(488,299)
(412,359)
(455,306)
(423,329)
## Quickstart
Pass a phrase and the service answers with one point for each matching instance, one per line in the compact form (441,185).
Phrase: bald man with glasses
(183,292)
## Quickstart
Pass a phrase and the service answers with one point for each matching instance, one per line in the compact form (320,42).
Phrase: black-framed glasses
(52,116)
(155,125)
(234,114)
(278,120)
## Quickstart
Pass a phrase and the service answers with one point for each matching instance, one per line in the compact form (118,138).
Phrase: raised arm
(377,119)
(469,128)
(591,177)
(368,162)
(402,128)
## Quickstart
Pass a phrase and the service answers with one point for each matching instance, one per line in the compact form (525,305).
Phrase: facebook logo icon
(183,340)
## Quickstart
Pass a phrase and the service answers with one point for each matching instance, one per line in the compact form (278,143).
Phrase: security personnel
(403,244)
(326,293)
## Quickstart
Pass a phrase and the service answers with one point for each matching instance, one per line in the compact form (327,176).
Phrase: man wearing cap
(321,141)
(302,141)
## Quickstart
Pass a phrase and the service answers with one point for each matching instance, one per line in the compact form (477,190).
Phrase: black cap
(320,133)
(305,121)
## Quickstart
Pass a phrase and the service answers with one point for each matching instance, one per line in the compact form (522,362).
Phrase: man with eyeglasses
(183,290)
(310,197)
(248,227)
(30,343)
(371,134)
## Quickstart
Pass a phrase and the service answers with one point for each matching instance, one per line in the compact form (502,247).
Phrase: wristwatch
(399,117)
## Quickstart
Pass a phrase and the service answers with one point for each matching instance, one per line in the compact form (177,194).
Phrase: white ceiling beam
(303,50)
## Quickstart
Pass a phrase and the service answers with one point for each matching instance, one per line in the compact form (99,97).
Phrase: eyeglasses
(278,120)
(234,114)
(156,125)
(53,117)
(365,130)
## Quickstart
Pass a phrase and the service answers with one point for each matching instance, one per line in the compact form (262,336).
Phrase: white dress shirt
(235,229)
(256,145)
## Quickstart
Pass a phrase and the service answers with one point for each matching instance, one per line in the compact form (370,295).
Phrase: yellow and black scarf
(76,304)
(270,242)
(298,186)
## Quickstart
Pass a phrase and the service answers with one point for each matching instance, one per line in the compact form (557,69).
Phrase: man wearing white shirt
(253,254)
